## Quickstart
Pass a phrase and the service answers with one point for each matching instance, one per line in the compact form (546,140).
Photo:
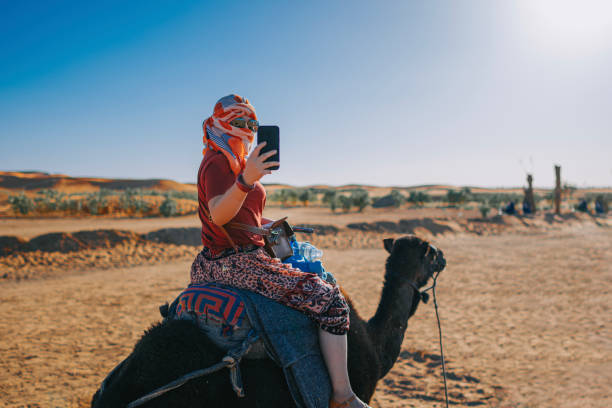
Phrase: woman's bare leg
(333,348)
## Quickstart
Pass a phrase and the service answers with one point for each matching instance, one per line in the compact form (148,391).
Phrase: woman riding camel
(229,190)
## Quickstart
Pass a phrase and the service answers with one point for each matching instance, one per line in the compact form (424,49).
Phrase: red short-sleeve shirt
(214,178)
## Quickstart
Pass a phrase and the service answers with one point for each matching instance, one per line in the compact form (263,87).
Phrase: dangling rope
(433,287)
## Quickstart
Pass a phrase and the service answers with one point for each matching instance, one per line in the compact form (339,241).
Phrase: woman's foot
(351,402)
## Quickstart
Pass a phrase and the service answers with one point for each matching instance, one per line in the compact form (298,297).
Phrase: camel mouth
(438,262)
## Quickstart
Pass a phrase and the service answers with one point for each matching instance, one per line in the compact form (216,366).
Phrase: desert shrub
(330,197)
(454,197)
(345,202)
(132,201)
(285,196)
(49,200)
(495,200)
(126,200)
(305,195)
(276,197)
(168,207)
(73,206)
(466,192)
(187,195)
(418,198)
(484,210)
(360,199)
(96,202)
(21,203)
(394,199)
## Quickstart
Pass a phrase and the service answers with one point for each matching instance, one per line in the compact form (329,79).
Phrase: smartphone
(270,135)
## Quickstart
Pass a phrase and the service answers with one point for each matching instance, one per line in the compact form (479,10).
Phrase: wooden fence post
(529,194)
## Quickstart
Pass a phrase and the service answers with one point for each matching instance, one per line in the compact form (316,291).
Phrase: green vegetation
(360,199)
(169,207)
(419,198)
(130,202)
(140,202)
(21,203)
(484,210)
(394,199)
(330,197)
(96,203)
(345,202)
(305,196)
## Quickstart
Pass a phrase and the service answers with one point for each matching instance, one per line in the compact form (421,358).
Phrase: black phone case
(270,135)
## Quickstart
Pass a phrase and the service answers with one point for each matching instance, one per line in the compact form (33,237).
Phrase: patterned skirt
(256,271)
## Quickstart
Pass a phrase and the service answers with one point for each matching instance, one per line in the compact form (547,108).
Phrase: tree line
(139,202)
(132,202)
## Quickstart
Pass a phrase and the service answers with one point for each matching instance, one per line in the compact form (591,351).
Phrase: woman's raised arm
(224,207)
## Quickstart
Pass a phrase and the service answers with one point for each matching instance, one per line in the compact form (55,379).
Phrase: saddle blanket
(212,304)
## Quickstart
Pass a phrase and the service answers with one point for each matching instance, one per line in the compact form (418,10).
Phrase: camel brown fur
(173,348)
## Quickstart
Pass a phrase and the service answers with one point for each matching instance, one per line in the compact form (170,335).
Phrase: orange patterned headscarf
(232,141)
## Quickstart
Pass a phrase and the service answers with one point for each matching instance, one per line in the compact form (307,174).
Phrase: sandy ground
(526,322)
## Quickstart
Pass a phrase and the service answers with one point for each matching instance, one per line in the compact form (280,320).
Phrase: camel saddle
(227,315)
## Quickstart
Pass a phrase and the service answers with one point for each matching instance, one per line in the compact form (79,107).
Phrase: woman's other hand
(255,167)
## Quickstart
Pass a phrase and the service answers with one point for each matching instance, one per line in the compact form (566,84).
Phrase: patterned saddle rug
(212,304)
(219,312)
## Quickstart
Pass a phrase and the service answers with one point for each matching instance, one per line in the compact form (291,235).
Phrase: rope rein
(425,298)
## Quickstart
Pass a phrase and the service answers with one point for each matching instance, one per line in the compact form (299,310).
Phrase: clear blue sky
(383,93)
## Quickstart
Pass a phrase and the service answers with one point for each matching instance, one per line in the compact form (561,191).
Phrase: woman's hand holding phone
(256,165)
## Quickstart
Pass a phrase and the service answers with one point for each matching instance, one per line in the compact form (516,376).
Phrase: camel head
(412,260)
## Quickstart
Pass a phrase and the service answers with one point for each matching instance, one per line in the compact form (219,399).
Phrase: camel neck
(387,327)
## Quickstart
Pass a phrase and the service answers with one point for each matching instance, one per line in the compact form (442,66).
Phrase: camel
(173,348)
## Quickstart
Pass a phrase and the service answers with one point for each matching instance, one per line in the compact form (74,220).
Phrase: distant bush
(74,206)
(285,196)
(49,200)
(305,196)
(132,201)
(96,203)
(330,197)
(345,202)
(168,207)
(360,199)
(454,197)
(187,195)
(394,199)
(21,203)
(484,210)
(495,200)
(419,198)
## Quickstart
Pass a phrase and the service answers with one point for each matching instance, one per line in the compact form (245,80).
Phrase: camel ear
(388,244)
(426,248)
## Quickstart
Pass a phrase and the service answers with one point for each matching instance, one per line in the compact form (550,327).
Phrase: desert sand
(525,310)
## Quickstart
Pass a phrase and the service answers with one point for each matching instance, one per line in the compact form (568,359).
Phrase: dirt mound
(9,244)
(402,227)
(176,236)
(66,242)
(320,229)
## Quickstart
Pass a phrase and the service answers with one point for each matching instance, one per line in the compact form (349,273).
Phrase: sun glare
(569,25)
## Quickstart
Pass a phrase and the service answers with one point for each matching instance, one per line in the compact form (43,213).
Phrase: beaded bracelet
(242,185)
